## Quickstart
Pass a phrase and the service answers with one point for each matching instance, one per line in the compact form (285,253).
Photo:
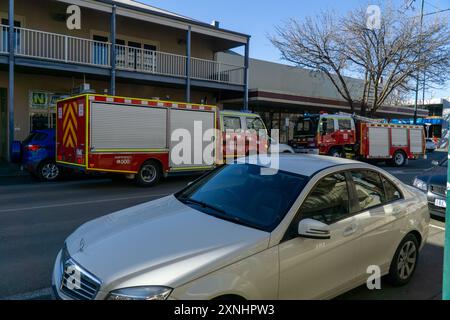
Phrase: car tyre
(404,263)
(48,171)
(150,174)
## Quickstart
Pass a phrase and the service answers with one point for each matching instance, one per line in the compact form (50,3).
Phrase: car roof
(303,164)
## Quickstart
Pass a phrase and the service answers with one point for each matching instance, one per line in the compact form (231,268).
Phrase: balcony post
(246,75)
(112,89)
(188,65)
(10,131)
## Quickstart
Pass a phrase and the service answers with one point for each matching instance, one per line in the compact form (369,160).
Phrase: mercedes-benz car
(308,228)
(433,182)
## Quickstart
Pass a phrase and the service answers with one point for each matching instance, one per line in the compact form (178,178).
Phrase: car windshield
(241,194)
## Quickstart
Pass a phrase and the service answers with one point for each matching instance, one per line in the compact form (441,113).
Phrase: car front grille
(76,282)
(441,190)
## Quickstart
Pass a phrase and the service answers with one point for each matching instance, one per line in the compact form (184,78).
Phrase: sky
(258,18)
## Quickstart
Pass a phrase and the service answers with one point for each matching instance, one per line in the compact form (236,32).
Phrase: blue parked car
(38,154)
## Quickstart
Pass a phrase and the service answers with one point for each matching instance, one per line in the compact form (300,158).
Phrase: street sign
(446,282)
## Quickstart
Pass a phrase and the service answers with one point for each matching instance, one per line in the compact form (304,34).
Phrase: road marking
(437,227)
(65,204)
(30,295)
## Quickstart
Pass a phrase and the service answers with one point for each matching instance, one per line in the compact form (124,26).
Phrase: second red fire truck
(367,139)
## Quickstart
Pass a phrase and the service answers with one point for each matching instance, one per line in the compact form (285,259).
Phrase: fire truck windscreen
(306,126)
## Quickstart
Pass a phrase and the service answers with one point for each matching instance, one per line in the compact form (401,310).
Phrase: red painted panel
(71,130)
(126,162)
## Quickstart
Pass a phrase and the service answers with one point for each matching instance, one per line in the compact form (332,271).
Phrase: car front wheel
(48,171)
(405,260)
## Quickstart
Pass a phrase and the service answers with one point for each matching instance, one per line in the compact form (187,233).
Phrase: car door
(377,219)
(312,269)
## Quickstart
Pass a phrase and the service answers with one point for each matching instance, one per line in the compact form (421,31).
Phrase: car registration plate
(440,203)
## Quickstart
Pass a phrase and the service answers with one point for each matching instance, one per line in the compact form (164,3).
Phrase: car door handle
(350,230)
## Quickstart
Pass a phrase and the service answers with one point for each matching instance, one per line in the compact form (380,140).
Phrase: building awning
(280,100)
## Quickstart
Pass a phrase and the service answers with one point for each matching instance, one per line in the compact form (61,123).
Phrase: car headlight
(420,184)
(140,293)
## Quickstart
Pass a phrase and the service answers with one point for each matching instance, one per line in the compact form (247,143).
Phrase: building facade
(123,47)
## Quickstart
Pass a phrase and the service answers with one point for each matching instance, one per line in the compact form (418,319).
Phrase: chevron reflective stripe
(70,124)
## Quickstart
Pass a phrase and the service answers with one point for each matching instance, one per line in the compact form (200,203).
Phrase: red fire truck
(339,135)
(135,136)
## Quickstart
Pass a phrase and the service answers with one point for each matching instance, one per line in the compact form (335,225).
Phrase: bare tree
(386,59)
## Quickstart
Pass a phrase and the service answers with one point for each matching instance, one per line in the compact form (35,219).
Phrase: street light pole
(418,71)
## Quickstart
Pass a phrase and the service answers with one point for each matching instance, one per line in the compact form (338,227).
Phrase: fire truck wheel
(336,153)
(149,174)
(399,159)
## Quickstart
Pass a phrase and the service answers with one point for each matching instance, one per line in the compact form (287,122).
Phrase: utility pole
(418,71)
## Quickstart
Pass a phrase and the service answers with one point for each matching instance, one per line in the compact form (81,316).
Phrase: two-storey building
(122,47)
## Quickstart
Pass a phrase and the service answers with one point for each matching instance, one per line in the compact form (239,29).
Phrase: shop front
(42,108)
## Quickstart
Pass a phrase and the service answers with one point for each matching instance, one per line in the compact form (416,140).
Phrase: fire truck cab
(324,134)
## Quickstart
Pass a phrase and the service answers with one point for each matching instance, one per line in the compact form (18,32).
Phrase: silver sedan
(313,228)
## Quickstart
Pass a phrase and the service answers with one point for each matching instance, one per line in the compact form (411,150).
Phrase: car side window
(392,193)
(329,200)
(369,189)
(231,123)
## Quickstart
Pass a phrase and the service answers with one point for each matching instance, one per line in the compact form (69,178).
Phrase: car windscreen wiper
(203,204)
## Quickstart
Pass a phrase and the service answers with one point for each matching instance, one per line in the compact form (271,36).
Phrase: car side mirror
(435,163)
(313,229)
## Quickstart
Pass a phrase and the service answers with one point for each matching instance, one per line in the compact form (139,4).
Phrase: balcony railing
(62,48)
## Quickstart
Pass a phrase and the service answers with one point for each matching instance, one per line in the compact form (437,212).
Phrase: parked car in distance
(276,147)
(308,230)
(430,145)
(434,183)
(38,155)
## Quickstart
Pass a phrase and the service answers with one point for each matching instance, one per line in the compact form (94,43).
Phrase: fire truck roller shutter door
(416,140)
(126,127)
(187,119)
(399,137)
(379,142)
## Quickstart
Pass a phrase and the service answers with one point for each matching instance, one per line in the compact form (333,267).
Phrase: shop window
(39,121)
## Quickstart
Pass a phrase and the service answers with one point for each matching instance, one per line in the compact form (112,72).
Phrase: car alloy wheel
(49,171)
(406,261)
